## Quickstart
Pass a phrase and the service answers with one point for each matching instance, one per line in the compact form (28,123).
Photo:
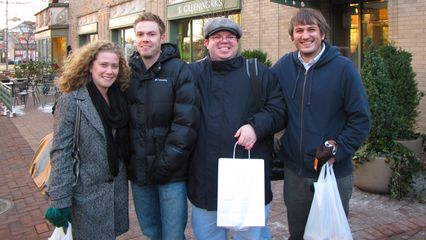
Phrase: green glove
(59,217)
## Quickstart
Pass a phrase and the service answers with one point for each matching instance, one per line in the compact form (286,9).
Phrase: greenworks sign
(299,3)
(201,7)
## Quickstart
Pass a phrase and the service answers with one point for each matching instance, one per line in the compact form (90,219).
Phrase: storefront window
(375,22)
(125,38)
(87,38)
(42,50)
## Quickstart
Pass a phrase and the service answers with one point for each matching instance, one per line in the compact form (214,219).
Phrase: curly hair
(76,71)
(308,16)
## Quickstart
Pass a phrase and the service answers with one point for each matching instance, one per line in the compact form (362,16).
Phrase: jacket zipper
(301,115)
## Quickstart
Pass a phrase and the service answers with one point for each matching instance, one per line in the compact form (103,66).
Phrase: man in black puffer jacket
(164,119)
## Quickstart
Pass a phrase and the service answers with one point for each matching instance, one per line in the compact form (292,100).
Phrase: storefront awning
(51,33)
(201,7)
(88,29)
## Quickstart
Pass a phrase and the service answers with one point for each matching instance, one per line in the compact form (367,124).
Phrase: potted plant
(406,94)
(19,71)
(51,68)
(401,163)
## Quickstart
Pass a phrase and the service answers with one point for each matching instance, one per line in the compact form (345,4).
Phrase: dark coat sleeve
(358,124)
(272,117)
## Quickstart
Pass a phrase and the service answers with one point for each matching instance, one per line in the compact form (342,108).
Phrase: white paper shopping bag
(241,193)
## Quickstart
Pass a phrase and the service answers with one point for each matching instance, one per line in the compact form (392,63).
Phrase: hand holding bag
(241,193)
(58,233)
(327,219)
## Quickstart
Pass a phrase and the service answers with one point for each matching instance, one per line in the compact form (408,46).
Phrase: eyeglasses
(218,38)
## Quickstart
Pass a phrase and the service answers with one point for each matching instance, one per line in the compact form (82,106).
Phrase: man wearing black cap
(229,114)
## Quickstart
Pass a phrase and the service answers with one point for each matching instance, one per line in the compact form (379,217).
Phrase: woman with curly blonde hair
(93,196)
(76,70)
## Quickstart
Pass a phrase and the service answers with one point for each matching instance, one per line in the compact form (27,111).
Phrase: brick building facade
(406,29)
(264,24)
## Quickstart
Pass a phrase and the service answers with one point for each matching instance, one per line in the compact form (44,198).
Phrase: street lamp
(6,36)
(6,33)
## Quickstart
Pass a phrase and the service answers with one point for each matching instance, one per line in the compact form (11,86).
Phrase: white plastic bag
(241,193)
(327,219)
(58,233)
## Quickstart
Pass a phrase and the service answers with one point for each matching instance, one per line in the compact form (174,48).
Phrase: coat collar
(88,110)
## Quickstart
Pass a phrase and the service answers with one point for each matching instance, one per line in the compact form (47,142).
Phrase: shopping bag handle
(235,146)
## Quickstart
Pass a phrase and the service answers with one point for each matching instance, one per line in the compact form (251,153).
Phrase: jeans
(161,210)
(298,196)
(204,226)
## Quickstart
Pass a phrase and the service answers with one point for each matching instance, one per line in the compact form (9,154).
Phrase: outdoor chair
(20,93)
(47,92)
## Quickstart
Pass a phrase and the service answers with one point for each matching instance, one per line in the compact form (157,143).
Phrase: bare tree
(23,35)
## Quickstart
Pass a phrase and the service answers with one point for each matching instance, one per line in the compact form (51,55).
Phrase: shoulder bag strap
(76,143)
(252,72)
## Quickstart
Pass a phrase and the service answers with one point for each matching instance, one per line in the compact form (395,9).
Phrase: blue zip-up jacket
(326,102)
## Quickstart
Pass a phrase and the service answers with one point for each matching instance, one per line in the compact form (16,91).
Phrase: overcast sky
(23,9)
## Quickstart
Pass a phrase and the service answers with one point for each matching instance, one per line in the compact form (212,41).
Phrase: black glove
(59,217)
(160,176)
(323,153)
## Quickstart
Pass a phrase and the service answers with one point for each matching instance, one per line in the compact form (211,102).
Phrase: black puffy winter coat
(164,117)
(227,103)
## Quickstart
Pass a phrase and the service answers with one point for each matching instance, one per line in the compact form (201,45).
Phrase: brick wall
(407,20)
(265,27)
(158,7)
(82,8)
(78,9)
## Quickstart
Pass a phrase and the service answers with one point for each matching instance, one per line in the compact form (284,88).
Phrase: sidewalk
(371,216)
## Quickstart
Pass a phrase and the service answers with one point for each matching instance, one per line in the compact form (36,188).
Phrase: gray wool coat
(99,202)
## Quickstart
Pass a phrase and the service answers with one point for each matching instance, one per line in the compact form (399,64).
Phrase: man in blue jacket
(328,115)
(229,114)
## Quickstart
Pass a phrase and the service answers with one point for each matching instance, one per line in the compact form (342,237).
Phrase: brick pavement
(25,219)
(371,216)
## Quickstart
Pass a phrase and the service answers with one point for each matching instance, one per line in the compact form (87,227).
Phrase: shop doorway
(354,21)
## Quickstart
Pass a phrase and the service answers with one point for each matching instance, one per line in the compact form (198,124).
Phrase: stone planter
(373,176)
(415,145)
